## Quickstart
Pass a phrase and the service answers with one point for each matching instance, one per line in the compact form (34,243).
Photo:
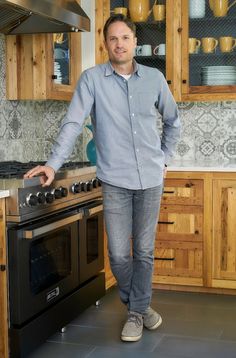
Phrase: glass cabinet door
(61,56)
(150,30)
(210,41)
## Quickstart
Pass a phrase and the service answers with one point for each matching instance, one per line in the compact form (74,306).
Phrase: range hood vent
(42,16)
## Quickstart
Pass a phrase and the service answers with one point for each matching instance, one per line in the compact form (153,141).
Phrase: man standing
(123,98)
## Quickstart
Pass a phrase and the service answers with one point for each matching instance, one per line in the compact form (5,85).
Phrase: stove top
(16,170)
(74,183)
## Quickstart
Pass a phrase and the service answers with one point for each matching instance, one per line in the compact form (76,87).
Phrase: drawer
(183,191)
(183,259)
(179,222)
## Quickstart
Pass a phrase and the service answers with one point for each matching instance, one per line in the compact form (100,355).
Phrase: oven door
(43,264)
(91,246)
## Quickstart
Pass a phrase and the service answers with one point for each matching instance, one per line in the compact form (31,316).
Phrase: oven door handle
(94,210)
(31,234)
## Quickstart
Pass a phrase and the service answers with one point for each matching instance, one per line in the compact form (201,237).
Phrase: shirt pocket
(146,104)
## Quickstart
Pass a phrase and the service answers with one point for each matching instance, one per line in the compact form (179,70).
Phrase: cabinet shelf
(213,19)
(151,58)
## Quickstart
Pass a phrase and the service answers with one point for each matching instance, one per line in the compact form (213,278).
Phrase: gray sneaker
(133,327)
(151,319)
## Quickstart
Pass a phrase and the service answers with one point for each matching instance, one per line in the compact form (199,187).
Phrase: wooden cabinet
(39,67)
(224,233)
(208,73)
(195,247)
(3,285)
(179,247)
(191,76)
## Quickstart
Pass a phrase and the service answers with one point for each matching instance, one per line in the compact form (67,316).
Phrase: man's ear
(135,41)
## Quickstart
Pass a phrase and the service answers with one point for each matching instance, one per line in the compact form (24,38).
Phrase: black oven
(51,257)
(91,248)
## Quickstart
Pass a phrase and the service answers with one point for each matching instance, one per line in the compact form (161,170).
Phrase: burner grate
(16,170)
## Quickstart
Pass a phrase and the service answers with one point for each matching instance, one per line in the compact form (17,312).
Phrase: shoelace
(134,318)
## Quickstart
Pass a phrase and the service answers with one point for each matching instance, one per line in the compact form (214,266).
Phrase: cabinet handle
(169,82)
(184,81)
(2,267)
(165,258)
(166,222)
(54,77)
(168,192)
(180,29)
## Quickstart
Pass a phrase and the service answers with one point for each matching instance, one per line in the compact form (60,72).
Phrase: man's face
(120,43)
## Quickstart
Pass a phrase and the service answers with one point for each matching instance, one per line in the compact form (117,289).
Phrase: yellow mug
(159,12)
(121,10)
(220,7)
(227,43)
(209,44)
(193,45)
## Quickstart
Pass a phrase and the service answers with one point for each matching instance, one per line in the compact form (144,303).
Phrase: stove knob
(90,186)
(31,200)
(49,197)
(64,191)
(76,188)
(95,182)
(41,198)
(57,193)
(84,186)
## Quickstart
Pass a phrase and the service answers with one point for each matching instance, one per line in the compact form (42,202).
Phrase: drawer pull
(2,267)
(165,258)
(168,192)
(166,222)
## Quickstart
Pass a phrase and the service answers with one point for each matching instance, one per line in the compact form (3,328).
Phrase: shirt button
(132,114)
(137,150)
(135,132)
(130,96)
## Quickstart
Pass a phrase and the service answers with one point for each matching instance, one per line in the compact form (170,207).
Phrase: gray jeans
(131,219)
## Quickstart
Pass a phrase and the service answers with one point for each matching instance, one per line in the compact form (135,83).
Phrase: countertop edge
(4,194)
(201,169)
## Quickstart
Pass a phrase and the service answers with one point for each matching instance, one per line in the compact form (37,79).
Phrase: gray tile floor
(194,325)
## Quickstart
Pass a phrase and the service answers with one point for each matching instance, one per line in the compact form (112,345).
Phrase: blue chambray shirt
(130,153)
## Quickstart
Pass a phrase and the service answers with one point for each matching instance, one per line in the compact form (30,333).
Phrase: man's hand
(47,173)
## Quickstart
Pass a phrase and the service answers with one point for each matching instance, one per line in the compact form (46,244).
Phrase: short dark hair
(116,18)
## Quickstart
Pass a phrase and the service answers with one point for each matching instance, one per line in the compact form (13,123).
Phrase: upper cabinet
(42,66)
(193,42)
(208,49)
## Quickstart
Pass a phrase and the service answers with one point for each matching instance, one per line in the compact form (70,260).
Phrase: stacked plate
(57,72)
(218,75)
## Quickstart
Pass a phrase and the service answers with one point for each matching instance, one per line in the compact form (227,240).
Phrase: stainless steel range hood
(42,16)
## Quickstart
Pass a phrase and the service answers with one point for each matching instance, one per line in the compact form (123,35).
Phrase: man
(123,98)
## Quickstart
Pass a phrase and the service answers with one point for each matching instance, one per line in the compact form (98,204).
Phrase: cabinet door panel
(178,259)
(208,59)
(183,191)
(224,226)
(180,223)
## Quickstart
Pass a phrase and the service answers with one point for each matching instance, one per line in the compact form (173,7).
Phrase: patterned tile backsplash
(28,129)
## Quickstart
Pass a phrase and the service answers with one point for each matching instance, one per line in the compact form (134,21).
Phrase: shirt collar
(109,70)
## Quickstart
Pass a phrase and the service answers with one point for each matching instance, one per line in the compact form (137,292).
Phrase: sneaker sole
(130,339)
(159,322)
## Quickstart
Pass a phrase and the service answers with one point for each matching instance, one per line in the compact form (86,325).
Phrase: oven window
(50,260)
(92,239)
